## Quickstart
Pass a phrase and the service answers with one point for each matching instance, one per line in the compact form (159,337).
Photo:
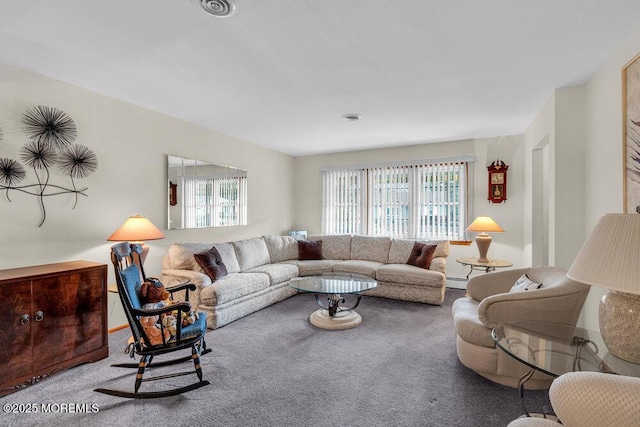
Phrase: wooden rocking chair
(128,271)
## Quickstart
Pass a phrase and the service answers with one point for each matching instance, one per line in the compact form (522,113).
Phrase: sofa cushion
(281,248)
(309,249)
(228,256)
(180,256)
(335,246)
(314,267)
(278,273)
(405,274)
(211,262)
(401,249)
(371,248)
(364,268)
(251,253)
(233,286)
(421,255)
(468,326)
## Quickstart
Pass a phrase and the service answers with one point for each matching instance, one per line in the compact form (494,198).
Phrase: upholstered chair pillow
(211,262)
(421,255)
(524,283)
(309,249)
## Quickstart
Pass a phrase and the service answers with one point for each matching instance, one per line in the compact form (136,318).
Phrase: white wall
(583,126)
(604,149)
(131,145)
(540,136)
(510,149)
(559,129)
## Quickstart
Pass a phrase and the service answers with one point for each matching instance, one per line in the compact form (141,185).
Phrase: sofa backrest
(281,248)
(334,246)
(251,253)
(401,249)
(377,248)
(245,254)
(180,256)
(370,248)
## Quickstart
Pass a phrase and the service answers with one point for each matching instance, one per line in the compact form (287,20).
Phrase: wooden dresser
(53,317)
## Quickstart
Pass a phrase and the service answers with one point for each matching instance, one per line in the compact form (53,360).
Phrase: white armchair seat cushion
(468,326)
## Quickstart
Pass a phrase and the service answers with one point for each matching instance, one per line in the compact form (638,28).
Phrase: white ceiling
(282,73)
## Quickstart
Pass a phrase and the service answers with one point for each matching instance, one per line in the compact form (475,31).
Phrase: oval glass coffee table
(329,290)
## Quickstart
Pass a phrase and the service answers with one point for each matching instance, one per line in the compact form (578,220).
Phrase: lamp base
(620,323)
(483,240)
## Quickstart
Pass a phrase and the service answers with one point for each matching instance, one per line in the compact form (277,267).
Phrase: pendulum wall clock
(497,181)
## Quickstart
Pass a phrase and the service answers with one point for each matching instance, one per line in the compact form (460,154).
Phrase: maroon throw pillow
(211,262)
(421,255)
(309,249)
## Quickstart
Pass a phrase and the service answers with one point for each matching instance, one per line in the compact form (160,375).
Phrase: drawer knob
(39,316)
(24,319)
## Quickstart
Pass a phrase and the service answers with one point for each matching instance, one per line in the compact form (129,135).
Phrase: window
(214,201)
(426,199)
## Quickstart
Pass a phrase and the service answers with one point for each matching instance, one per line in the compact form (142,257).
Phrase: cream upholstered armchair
(591,399)
(490,301)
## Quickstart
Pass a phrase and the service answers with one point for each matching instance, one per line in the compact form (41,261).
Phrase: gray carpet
(273,368)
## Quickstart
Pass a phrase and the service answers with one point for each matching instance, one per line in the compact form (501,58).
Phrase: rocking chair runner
(126,259)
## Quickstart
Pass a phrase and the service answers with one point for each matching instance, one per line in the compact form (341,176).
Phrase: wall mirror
(203,194)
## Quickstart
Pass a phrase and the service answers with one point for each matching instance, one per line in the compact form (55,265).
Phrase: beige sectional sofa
(259,270)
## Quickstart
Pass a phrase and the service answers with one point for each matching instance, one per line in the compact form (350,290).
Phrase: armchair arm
(559,304)
(180,306)
(439,263)
(186,287)
(486,285)
(598,399)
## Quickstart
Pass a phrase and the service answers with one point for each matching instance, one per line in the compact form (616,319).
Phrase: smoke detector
(219,8)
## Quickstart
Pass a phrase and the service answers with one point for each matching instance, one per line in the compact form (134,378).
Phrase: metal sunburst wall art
(52,134)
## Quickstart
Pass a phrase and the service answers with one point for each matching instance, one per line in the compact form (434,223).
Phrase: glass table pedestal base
(341,320)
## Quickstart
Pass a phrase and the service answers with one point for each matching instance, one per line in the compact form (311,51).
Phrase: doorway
(540,207)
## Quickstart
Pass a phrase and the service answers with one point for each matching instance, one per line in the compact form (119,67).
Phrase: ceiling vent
(219,8)
(351,117)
